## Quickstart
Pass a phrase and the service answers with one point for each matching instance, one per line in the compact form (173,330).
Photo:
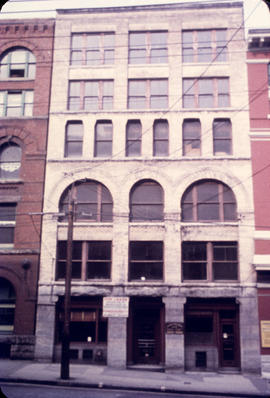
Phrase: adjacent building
(25,72)
(149,132)
(258,64)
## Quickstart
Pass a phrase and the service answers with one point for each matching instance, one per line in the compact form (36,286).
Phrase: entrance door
(228,344)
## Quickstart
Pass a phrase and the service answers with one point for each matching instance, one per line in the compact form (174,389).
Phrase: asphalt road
(34,391)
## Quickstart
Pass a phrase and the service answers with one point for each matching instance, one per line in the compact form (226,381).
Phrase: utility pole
(66,328)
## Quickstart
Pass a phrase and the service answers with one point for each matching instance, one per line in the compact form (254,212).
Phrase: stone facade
(164,303)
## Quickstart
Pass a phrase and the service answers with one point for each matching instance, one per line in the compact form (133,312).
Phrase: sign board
(265,334)
(175,328)
(115,307)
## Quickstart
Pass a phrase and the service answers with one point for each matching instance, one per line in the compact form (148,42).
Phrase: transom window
(212,261)
(148,47)
(145,94)
(93,202)
(146,201)
(16,103)
(161,138)
(208,200)
(90,260)
(74,139)
(92,49)
(7,223)
(222,137)
(18,63)
(133,138)
(7,306)
(90,95)
(204,45)
(145,261)
(10,161)
(191,137)
(206,93)
(103,138)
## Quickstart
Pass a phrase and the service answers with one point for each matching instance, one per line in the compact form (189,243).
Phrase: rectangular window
(204,45)
(7,223)
(90,260)
(191,137)
(74,139)
(133,138)
(222,136)
(145,261)
(148,94)
(148,48)
(90,95)
(16,103)
(161,138)
(92,49)
(210,261)
(206,93)
(103,138)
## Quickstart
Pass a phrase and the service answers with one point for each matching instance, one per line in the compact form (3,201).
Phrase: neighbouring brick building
(149,129)
(25,75)
(258,64)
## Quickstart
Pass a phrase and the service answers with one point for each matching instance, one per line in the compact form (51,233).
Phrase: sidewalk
(105,377)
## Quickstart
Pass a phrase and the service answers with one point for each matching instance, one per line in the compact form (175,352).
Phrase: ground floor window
(7,306)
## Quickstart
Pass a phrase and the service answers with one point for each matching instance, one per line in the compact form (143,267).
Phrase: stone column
(117,342)
(249,334)
(174,343)
(45,327)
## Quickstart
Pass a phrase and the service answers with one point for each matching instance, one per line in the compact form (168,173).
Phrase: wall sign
(175,327)
(265,334)
(115,307)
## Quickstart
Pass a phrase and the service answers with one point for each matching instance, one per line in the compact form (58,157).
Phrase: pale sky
(257,14)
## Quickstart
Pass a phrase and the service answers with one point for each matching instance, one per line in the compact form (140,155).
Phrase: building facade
(25,71)
(149,133)
(258,64)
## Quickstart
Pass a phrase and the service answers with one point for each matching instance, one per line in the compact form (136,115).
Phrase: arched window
(10,161)
(208,200)
(93,202)
(18,63)
(146,201)
(7,306)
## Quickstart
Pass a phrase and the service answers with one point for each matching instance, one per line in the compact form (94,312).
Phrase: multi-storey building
(149,132)
(258,63)
(25,70)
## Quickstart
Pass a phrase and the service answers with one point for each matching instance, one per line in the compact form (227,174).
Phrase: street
(35,391)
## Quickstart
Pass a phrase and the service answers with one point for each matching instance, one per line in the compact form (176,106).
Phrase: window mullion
(209,253)
(84,260)
(195,203)
(100,94)
(82,94)
(5,102)
(84,48)
(26,65)
(99,199)
(221,202)
(22,102)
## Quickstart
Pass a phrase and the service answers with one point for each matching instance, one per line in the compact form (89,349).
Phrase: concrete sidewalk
(105,377)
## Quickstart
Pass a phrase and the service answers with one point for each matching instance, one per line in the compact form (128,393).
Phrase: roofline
(154,7)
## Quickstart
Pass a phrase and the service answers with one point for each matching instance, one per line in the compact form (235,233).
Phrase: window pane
(223,100)
(137,102)
(86,211)
(76,58)
(189,101)
(74,103)
(6,234)
(137,39)
(159,87)
(229,211)
(193,251)
(159,55)
(205,86)
(225,271)
(222,147)
(194,271)
(159,102)
(91,103)
(134,130)
(187,54)
(75,131)
(76,41)
(98,270)
(161,148)
(108,57)
(104,131)
(106,212)
(208,192)
(146,250)
(108,88)
(192,129)
(146,271)
(86,192)
(103,149)
(93,57)
(92,41)
(74,89)
(187,212)
(11,153)
(73,149)
(137,88)
(147,193)
(133,148)
(137,56)
(222,128)
(206,101)
(208,212)
(223,86)
(192,147)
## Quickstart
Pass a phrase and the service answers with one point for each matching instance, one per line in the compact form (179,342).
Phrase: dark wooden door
(229,344)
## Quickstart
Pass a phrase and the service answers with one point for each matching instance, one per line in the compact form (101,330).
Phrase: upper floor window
(16,103)
(90,260)
(146,201)
(103,138)
(133,138)
(10,161)
(7,306)
(148,47)
(204,45)
(191,137)
(145,261)
(211,261)
(92,49)
(74,139)
(206,93)
(222,137)
(18,63)
(145,94)
(161,138)
(7,223)
(90,95)
(208,200)
(93,202)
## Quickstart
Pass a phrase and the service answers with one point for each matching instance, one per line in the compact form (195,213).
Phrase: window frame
(146,262)
(24,102)
(194,91)
(133,142)
(210,261)
(226,137)
(69,140)
(7,306)
(101,140)
(10,163)
(160,140)
(8,223)
(148,48)
(78,102)
(190,140)
(147,96)
(145,204)
(6,61)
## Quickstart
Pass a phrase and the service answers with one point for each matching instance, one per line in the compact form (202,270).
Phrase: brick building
(149,130)
(25,73)
(258,63)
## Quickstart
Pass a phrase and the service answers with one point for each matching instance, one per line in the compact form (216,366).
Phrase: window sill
(17,79)
(10,181)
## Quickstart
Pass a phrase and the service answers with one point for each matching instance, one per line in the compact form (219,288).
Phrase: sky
(257,14)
